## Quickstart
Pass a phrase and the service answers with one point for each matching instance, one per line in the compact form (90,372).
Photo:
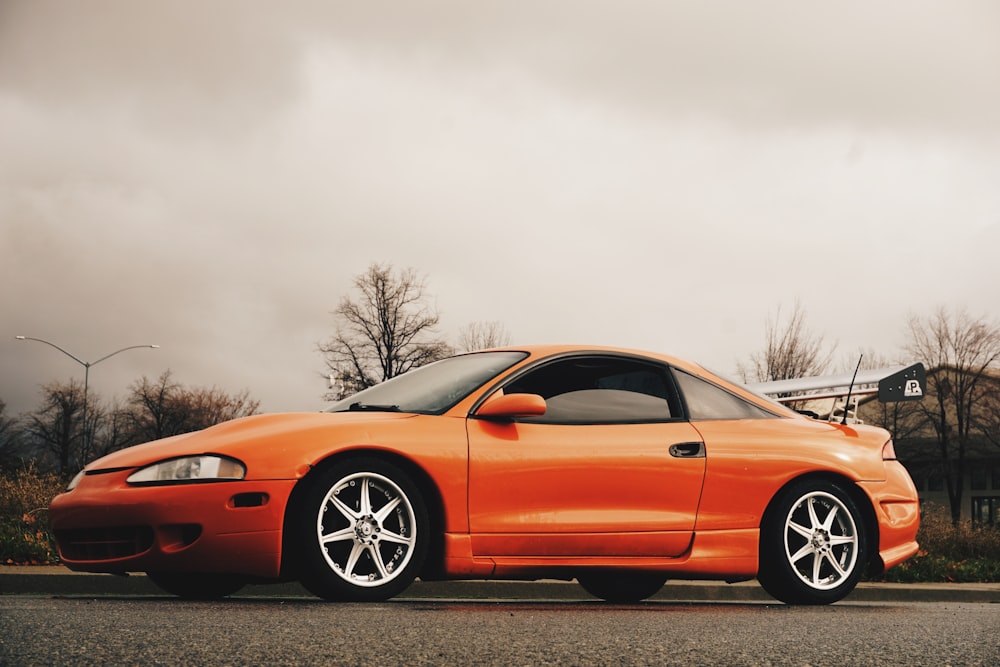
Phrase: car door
(609,471)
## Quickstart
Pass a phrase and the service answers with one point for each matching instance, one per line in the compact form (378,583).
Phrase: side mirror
(512,406)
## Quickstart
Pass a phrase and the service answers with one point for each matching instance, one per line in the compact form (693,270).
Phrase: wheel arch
(860,498)
(430,493)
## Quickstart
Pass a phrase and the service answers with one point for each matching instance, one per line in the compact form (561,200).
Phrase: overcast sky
(210,176)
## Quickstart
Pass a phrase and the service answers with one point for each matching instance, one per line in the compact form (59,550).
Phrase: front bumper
(106,525)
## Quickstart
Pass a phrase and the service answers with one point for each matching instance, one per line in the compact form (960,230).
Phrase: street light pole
(86,379)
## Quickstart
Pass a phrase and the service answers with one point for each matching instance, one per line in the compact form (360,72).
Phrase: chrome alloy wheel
(821,540)
(367,529)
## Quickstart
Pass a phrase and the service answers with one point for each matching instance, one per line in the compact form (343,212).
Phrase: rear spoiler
(900,383)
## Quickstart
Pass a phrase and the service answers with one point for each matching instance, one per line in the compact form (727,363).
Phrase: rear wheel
(813,546)
(621,586)
(197,585)
(363,532)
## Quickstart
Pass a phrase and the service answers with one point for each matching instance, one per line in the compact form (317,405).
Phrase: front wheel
(363,533)
(621,586)
(813,546)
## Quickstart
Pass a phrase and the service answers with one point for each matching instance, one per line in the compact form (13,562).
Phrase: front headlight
(76,480)
(203,468)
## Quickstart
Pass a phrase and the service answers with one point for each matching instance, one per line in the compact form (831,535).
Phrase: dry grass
(25,537)
(937,535)
(28,491)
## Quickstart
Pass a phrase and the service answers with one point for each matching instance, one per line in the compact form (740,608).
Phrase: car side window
(706,401)
(600,390)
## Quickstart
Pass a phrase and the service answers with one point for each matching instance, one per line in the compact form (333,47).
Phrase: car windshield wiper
(372,407)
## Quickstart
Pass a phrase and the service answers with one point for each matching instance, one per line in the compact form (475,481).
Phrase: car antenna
(847,403)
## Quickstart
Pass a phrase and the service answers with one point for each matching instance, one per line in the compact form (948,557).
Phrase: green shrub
(930,568)
(950,553)
(27,542)
(25,536)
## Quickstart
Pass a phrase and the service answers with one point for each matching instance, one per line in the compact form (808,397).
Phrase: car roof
(549,349)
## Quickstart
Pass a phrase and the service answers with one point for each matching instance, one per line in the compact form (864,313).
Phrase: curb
(58,581)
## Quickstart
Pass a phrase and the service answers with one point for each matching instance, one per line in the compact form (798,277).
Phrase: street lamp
(86,378)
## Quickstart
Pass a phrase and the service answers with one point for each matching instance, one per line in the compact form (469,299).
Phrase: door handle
(688,450)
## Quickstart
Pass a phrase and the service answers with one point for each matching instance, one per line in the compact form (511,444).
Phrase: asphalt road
(36,630)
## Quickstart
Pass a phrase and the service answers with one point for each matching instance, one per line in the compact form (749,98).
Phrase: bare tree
(210,406)
(10,440)
(112,430)
(53,434)
(482,336)
(153,409)
(989,425)
(164,408)
(791,351)
(962,353)
(56,427)
(384,331)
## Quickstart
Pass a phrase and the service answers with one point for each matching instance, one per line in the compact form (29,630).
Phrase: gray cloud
(191,64)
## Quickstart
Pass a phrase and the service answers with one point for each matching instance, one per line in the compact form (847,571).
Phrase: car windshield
(433,388)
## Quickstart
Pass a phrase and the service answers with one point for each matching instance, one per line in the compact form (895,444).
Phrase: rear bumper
(105,525)
(897,510)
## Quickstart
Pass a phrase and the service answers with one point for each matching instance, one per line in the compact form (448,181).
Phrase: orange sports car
(618,468)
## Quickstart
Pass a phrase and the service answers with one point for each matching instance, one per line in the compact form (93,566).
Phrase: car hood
(245,436)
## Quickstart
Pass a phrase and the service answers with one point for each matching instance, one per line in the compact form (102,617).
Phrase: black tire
(197,585)
(621,586)
(362,533)
(813,544)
